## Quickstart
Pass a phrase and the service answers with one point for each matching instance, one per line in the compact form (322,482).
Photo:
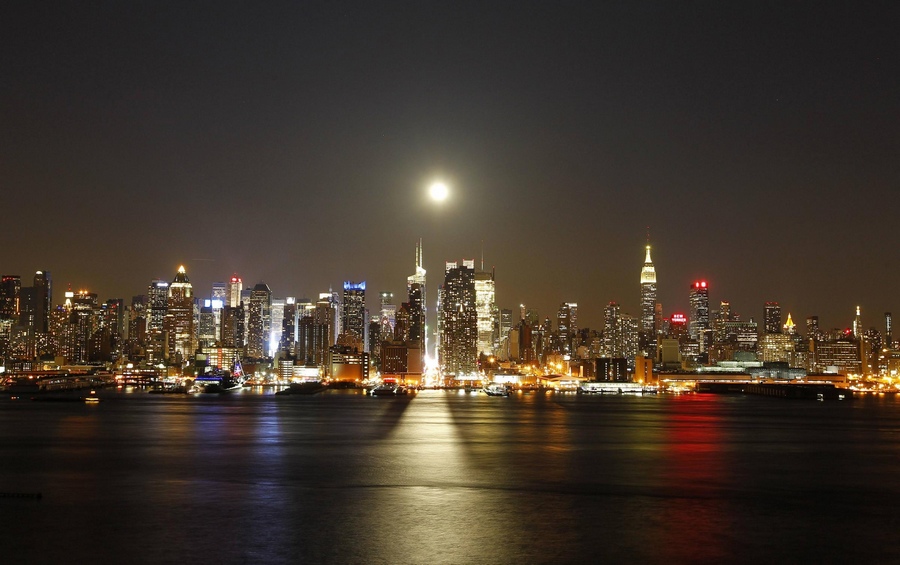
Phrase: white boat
(615,388)
(495,389)
(388,389)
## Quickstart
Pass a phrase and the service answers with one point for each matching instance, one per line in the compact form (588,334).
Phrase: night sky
(294,142)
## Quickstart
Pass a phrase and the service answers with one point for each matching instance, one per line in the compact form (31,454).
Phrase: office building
(567,327)
(415,290)
(698,325)
(10,290)
(259,321)
(234,291)
(648,326)
(179,318)
(458,338)
(353,313)
(486,308)
(772,318)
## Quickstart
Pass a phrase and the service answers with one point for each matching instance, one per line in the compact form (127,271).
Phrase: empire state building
(648,307)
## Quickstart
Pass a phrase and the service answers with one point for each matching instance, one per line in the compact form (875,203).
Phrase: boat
(495,389)
(388,389)
(605,387)
(220,381)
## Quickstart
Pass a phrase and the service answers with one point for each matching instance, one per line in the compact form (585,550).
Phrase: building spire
(482,255)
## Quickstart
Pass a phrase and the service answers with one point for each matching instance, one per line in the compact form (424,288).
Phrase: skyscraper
(415,289)
(10,289)
(276,325)
(387,316)
(458,338)
(233,327)
(722,317)
(353,312)
(699,323)
(813,333)
(258,321)
(567,326)
(235,286)
(179,317)
(43,296)
(888,331)
(158,303)
(648,328)
(289,322)
(486,308)
(218,301)
(611,338)
(772,318)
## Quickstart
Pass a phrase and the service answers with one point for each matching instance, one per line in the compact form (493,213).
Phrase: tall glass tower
(415,288)
(486,308)
(458,341)
(648,327)
(699,324)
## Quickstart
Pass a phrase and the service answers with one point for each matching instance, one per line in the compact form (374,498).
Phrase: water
(447,477)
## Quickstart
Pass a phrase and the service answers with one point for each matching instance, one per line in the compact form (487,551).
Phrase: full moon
(438,191)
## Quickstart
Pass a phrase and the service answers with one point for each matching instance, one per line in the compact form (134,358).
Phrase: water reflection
(446,477)
(696,520)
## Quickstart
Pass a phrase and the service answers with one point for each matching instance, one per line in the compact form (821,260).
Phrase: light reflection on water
(442,477)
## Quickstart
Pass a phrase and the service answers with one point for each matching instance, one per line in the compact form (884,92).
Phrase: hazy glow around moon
(438,191)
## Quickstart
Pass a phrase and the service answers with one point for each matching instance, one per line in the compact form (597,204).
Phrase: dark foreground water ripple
(446,477)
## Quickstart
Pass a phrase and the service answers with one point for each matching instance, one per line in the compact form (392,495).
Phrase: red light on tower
(702,284)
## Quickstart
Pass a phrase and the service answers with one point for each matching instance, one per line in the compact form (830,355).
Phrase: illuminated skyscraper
(648,328)
(235,286)
(458,338)
(486,308)
(627,335)
(888,331)
(387,318)
(611,338)
(353,312)
(233,327)
(34,304)
(44,290)
(10,289)
(158,303)
(289,322)
(218,301)
(415,289)
(179,318)
(857,325)
(567,325)
(316,331)
(699,323)
(772,318)
(276,325)
(258,321)
(505,322)
(722,317)
(813,333)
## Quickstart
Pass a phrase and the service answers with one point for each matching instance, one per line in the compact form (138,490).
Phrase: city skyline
(294,144)
(591,305)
